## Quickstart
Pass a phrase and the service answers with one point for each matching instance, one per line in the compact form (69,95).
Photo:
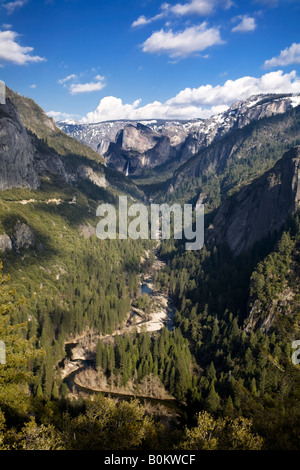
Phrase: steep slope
(55,154)
(17,152)
(274,302)
(37,122)
(259,209)
(26,158)
(234,160)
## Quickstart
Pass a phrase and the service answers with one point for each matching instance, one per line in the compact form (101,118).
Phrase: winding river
(80,353)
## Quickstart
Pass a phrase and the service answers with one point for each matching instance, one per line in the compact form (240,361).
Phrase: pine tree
(212,400)
(18,350)
(229,408)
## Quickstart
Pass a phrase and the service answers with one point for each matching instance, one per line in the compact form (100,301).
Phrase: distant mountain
(134,146)
(234,159)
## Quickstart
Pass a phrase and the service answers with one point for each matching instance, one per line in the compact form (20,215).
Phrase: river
(80,353)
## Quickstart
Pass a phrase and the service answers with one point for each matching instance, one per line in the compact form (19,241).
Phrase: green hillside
(38,123)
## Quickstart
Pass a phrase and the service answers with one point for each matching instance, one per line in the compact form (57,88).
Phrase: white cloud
(59,116)
(76,88)
(142,20)
(247,24)
(67,79)
(201,102)
(290,55)
(182,44)
(195,7)
(33,86)
(10,7)
(192,8)
(98,85)
(12,51)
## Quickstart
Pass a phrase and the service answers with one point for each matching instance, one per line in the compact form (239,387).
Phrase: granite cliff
(32,147)
(17,151)
(259,209)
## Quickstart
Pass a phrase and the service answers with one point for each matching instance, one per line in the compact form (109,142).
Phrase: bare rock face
(260,208)
(17,152)
(5,243)
(23,236)
(87,173)
(87,231)
(139,139)
(23,158)
(137,148)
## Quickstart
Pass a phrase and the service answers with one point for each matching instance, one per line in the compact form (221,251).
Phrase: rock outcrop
(24,158)
(17,152)
(23,236)
(259,209)
(5,243)
(87,173)
(137,148)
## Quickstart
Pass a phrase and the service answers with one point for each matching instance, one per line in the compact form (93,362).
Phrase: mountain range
(134,146)
(214,158)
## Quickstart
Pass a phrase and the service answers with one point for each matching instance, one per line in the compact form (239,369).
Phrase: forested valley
(220,378)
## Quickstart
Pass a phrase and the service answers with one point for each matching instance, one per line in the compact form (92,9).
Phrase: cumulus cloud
(246,24)
(12,51)
(97,85)
(201,102)
(182,44)
(290,55)
(77,88)
(195,7)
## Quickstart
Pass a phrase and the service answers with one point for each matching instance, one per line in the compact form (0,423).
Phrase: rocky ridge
(132,146)
(25,158)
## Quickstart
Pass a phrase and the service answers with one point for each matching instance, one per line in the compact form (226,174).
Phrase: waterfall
(127,169)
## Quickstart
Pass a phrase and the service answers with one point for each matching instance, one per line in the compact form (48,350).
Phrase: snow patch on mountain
(186,137)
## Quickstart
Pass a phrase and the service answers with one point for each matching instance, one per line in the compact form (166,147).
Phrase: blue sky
(97,60)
